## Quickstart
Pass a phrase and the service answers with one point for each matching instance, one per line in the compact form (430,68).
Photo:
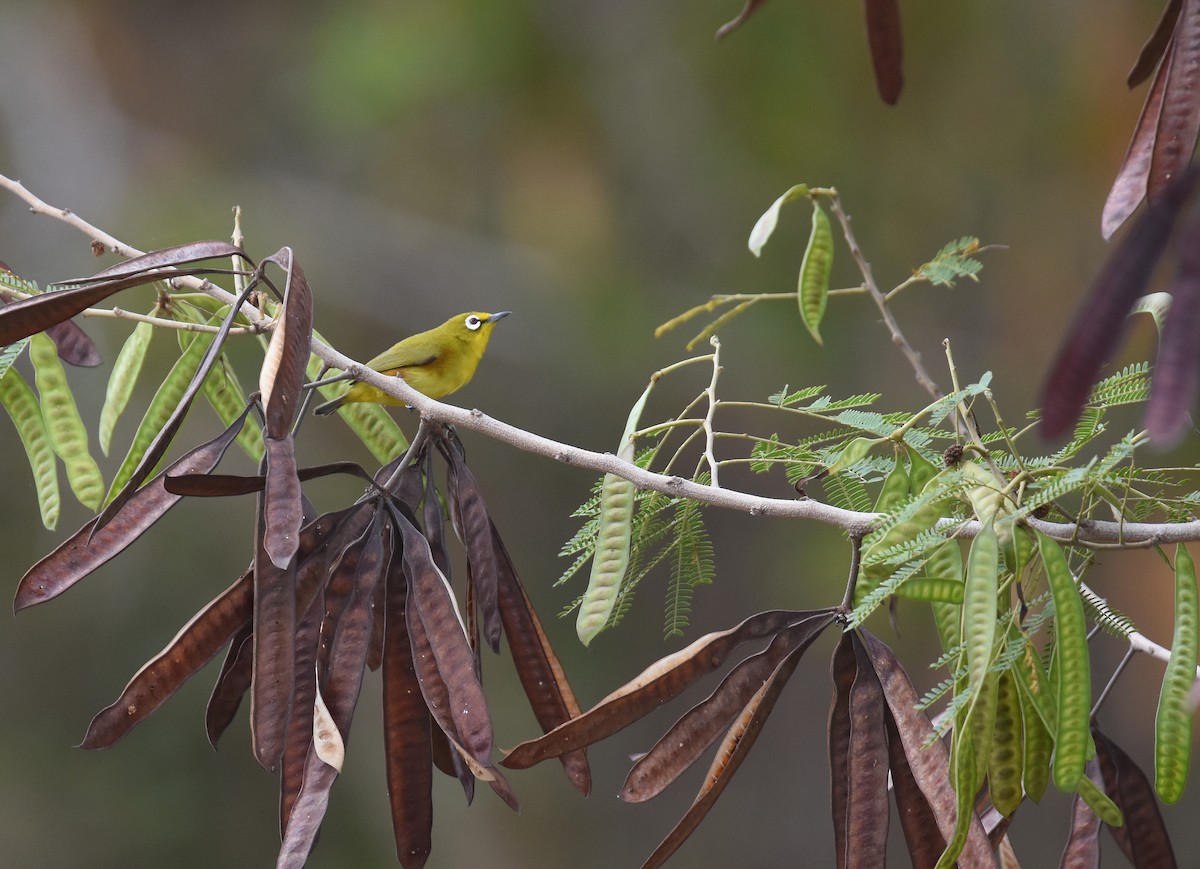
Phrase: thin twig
(914,358)
(709,455)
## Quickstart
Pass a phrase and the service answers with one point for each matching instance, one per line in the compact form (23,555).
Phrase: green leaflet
(122,380)
(22,407)
(1173,722)
(161,407)
(766,224)
(813,285)
(67,434)
(9,354)
(370,423)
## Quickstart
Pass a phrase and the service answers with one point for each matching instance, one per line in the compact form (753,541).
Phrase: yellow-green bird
(434,363)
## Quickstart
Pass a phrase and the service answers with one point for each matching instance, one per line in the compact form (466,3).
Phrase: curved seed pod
(274,648)
(867,800)
(73,344)
(63,424)
(843,669)
(282,371)
(979,604)
(730,754)
(1156,45)
(283,511)
(699,727)
(1074,667)
(917,820)
(1099,802)
(1006,759)
(193,647)
(407,746)
(231,686)
(1173,723)
(542,677)
(90,547)
(168,397)
(121,381)
(1143,838)
(613,538)
(658,683)
(1036,747)
(964,774)
(475,527)
(927,757)
(1083,845)
(22,407)
(1173,390)
(887,48)
(431,599)
(813,289)
(611,559)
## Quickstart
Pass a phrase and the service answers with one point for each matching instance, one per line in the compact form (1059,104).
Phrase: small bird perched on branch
(434,363)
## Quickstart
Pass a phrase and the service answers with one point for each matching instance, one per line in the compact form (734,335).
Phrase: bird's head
(475,327)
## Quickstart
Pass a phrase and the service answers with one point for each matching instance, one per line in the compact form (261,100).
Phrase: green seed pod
(121,381)
(22,407)
(814,272)
(67,434)
(1006,760)
(979,605)
(1073,738)
(1173,723)
(611,558)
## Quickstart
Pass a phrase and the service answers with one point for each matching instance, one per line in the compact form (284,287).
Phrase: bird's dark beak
(495,317)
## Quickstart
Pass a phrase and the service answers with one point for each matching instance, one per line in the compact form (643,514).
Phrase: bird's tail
(329,406)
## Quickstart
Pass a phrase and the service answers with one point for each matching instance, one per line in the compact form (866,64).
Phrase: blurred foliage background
(595,167)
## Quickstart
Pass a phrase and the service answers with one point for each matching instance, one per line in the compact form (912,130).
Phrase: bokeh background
(595,167)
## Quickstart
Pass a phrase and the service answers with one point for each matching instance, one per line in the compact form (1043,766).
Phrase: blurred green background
(594,167)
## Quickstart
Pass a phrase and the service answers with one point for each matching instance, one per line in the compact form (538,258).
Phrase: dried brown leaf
(193,647)
(658,683)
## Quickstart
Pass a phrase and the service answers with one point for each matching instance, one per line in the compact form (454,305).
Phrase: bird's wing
(406,354)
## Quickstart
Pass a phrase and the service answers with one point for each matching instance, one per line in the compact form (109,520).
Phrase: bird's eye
(472,322)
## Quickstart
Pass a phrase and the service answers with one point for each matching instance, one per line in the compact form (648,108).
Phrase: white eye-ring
(472,322)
